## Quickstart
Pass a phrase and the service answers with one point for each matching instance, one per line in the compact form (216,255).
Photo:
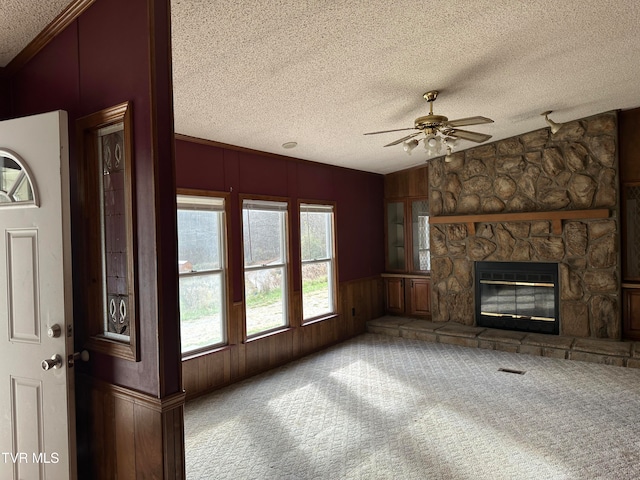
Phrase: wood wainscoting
(126,434)
(359,301)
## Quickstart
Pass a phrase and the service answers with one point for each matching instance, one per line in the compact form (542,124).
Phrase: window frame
(93,254)
(332,259)
(286,266)
(224,270)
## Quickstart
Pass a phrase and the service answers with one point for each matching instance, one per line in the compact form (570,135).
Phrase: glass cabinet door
(420,236)
(395,236)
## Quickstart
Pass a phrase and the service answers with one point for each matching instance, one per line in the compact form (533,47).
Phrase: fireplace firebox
(519,296)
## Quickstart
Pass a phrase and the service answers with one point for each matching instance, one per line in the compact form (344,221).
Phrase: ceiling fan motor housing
(430,121)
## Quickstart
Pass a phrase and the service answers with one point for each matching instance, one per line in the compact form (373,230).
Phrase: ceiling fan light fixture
(450,142)
(448,157)
(553,126)
(433,144)
(410,145)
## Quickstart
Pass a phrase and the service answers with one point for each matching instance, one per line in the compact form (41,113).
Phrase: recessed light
(290,145)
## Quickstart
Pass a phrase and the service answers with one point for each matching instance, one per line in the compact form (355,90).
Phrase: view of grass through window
(316,245)
(264,234)
(201,272)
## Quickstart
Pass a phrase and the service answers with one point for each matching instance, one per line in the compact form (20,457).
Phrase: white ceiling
(321,73)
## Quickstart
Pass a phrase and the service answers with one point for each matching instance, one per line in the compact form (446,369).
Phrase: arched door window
(16,185)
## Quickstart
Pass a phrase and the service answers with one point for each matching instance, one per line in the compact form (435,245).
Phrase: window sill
(269,333)
(320,319)
(205,351)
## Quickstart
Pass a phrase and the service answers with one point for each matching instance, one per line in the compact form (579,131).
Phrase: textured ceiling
(321,73)
(21,21)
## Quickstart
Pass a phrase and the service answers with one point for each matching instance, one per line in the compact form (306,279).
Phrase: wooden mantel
(555,218)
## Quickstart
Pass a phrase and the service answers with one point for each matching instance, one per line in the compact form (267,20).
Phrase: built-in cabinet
(407,294)
(407,236)
(629,126)
(408,260)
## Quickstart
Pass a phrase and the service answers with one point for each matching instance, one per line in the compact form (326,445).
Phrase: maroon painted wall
(359,197)
(4,96)
(114,52)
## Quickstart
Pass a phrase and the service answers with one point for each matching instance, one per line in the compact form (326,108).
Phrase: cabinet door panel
(631,298)
(394,288)
(420,297)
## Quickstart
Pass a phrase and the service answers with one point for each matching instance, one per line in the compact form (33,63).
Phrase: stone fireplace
(537,174)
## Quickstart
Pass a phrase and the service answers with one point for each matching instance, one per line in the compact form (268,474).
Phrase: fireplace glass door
(517,296)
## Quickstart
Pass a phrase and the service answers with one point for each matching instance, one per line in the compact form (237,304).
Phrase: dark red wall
(4,96)
(359,198)
(105,57)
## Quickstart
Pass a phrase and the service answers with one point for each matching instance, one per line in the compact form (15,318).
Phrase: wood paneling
(131,434)
(357,195)
(631,315)
(413,182)
(629,145)
(359,301)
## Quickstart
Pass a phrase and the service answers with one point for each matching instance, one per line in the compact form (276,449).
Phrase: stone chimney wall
(574,169)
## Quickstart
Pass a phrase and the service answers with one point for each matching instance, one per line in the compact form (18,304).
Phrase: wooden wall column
(130,432)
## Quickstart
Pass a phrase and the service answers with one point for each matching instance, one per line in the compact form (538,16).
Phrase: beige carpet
(379,407)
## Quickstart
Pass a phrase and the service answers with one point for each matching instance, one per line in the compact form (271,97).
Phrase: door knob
(83,355)
(53,362)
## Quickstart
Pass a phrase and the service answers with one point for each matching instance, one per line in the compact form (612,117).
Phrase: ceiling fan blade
(467,135)
(403,139)
(387,131)
(461,122)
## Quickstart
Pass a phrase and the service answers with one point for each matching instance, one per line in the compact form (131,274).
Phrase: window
(201,270)
(15,184)
(421,247)
(264,231)
(106,173)
(318,263)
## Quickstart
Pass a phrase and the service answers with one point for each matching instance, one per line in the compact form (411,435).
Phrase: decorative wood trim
(156,404)
(86,128)
(57,25)
(405,275)
(555,218)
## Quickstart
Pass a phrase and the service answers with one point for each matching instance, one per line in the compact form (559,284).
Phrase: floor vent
(511,370)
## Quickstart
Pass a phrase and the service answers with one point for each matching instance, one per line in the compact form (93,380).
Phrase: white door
(37,414)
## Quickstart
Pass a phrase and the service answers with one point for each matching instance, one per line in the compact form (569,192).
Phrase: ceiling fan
(433,125)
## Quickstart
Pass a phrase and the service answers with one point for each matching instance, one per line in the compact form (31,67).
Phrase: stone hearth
(575,169)
(608,352)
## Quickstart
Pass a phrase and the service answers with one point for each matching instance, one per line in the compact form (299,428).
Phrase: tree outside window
(318,263)
(264,232)
(201,270)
